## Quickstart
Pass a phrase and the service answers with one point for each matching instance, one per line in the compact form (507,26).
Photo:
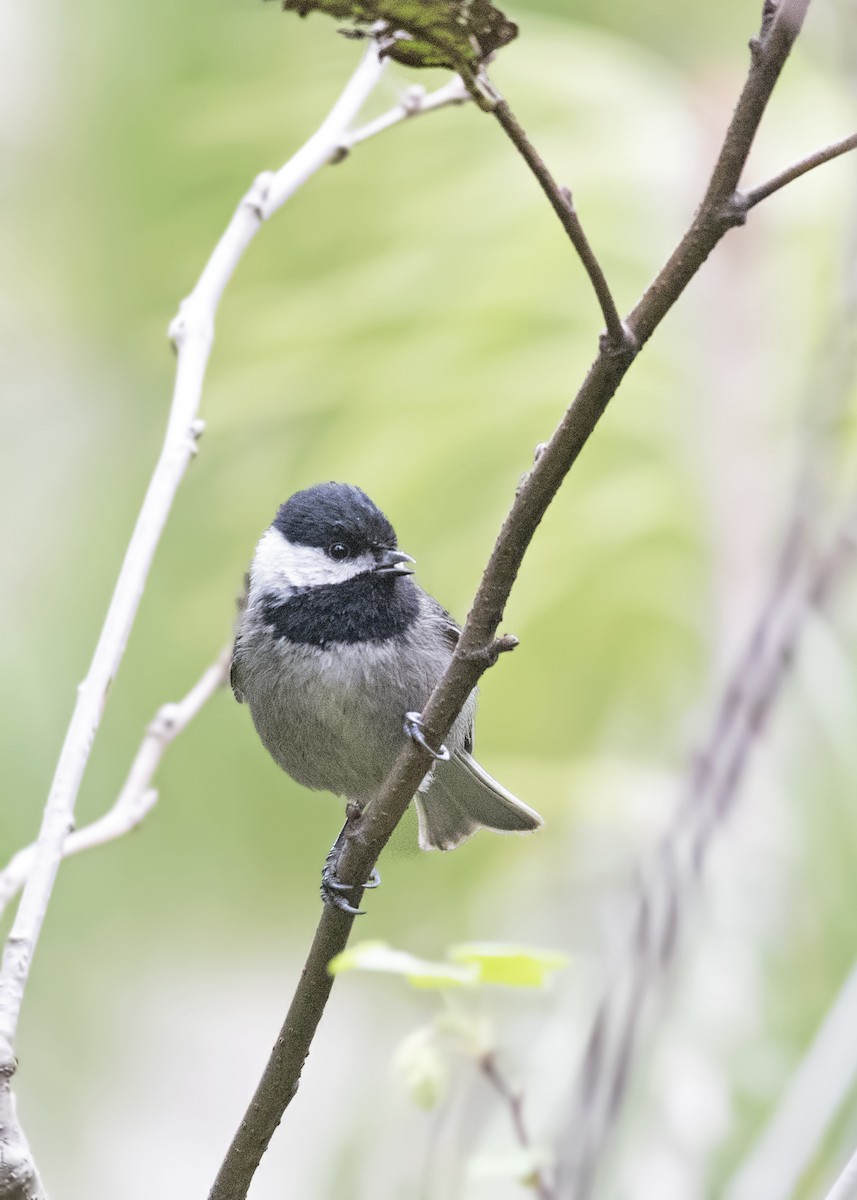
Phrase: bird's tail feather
(461,798)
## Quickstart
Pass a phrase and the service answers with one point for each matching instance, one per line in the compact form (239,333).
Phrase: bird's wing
(233,676)
(451,632)
(235,665)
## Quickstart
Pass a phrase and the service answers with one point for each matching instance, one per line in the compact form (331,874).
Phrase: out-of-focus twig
(799,581)
(666,892)
(514,1101)
(825,1076)
(137,798)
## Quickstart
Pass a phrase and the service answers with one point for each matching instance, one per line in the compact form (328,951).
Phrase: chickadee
(337,652)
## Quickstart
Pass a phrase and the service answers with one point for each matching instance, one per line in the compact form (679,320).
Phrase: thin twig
(804,1113)
(137,797)
(416,102)
(367,836)
(757,194)
(514,1101)
(619,336)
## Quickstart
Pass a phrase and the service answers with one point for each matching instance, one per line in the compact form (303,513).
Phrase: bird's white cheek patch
(283,567)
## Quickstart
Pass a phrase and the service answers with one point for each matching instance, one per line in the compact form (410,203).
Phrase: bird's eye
(338,550)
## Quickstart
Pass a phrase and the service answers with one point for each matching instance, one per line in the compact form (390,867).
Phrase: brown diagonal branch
(368,836)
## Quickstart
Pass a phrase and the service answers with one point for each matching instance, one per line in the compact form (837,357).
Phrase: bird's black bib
(367,608)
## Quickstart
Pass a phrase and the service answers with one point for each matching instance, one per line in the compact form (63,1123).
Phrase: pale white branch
(137,798)
(192,333)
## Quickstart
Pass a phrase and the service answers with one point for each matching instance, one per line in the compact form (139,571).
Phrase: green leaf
(512,966)
(378,956)
(458,34)
(422,1066)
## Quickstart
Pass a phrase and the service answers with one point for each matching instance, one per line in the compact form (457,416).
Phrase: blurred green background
(413,322)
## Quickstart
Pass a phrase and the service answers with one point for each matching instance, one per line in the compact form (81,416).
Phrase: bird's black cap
(330,512)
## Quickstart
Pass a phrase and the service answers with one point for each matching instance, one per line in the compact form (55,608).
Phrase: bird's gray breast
(332,716)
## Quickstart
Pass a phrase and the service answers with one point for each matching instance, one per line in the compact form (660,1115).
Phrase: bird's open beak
(394,562)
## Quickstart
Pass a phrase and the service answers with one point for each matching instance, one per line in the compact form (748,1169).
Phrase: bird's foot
(332,888)
(414,730)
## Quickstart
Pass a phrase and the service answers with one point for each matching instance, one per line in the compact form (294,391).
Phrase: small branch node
(483,91)
(339,154)
(166,720)
(568,198)
(622,343)
(8,1061)
(413,100)
(257,197)
(354,823)
(195,431)
(177,328)
(759,44)
(486,656)
(733,212)
(506,643)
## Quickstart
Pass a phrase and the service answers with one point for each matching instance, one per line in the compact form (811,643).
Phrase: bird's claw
(414,730)
(332,888)
(373,881)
